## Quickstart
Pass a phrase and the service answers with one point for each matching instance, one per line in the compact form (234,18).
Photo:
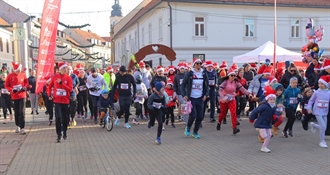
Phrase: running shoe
(212,120)
(218,126)
(18,129)
(166,122)
(323,144)
(74,123)
(158,141)
(135,121)
(163,128)
(285,134)
(58,140)
(236,130)
(23,131)
(186,132)
(149,125)
(127,126)
(117,121)
(78,115)
(173,126)
(265,150)
(196,135)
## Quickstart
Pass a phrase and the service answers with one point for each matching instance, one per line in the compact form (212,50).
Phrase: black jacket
(316,83)
(285,80)
(187,84)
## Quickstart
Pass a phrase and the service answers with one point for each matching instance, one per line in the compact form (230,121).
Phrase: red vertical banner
(47,42)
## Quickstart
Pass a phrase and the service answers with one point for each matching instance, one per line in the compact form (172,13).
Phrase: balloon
(309,28)
(321,53)
(304,48)
(319,34)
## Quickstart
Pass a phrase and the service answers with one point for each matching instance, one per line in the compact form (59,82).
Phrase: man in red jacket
(17,83)
(62,87)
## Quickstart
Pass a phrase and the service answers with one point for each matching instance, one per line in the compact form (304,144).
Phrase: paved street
(92,150)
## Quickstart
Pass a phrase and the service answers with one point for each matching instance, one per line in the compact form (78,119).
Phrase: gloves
(23,89)
(15,90)
(251,121)
(92,89)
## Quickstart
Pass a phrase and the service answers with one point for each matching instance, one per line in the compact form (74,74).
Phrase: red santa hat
(197,61)
(166,71)
(326,64)
(169,82)
(215,64)
(231,71)
(235,67)
(270,80)
(171,68)
(160,68)
(142,64)
(188,65)
(208,63)
(224,65)
(269,92)
(182,65)
(62,65)
(325,79)
(253,65)
(317,67)
(79,67)
(16,66)
(110,69)
(267,71)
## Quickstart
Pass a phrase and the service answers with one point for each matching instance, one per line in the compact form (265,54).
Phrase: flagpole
(275,43)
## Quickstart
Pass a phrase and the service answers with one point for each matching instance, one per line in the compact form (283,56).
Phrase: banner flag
(47,42)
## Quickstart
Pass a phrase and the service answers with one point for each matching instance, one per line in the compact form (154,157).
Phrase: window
(150,33)
(199,56)
(249,27)
(295,28)
(7,46)
(142,36)
(1,46)
(160,28)
(199,26)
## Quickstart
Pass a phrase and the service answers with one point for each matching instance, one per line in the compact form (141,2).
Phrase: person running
(264,116)
(94,83)
(17,83)
(61,84)
(319,105)
(32,93)
(82,95)
(292,97)
(156,104)
(227,91)
(159,77)
(213,79)
(5,99)
(73,96)
(124,82)
(141,96)
(170,105)
(146,79)
(195,87)
(307,94)
(178,78)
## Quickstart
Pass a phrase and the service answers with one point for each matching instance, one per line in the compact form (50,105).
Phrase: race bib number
(4,91)
(82,88)
(18,87)
(293,100)
(181,81)
(322,103)
(124,86)
(197,86)
(211,82)
(60,92)
(157,105)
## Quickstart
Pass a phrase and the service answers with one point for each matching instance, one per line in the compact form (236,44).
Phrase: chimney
(89,31)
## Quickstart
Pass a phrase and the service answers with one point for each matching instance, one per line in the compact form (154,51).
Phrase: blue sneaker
(117,121)
(158,141)
(196,136)
(186,132)
(127,126)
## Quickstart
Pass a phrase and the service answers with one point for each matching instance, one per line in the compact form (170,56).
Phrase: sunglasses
(293,70)
(233,75)
(198,63)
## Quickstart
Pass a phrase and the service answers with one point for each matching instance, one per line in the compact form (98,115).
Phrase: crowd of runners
(192,88)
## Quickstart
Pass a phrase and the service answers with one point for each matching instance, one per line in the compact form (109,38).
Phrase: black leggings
(90,105)
(62,118)
(170,112)
(82,98)
(6,99)
(138,109)
(73,108)
(19,108)
(94,100)
(240,104)
(291,115)
(157,114)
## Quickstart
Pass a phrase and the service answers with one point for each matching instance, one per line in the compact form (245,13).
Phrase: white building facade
(6,47)
(216,31)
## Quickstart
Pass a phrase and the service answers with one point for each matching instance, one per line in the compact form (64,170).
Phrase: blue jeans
(321,126)
(196,113)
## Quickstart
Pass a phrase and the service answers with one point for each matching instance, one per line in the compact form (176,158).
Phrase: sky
(79,12)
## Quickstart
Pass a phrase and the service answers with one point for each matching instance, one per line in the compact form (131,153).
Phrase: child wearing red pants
(264,116)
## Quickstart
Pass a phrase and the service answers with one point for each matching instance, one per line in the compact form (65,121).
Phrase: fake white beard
(143,70)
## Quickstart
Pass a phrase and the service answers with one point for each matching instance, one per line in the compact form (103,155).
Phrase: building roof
(107,38)
(11,14)
(71,39)
(3,22)
(284,3)
(88,34)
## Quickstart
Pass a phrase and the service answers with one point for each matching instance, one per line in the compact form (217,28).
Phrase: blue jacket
(104,103)
(75,83)
(291,94)
(264,115)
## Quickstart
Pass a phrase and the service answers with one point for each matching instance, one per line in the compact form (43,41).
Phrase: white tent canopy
(265,51)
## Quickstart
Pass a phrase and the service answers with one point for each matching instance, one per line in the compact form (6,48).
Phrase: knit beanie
(159,86)
(277,86)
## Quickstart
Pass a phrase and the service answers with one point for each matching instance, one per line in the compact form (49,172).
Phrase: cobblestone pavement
(90,149)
